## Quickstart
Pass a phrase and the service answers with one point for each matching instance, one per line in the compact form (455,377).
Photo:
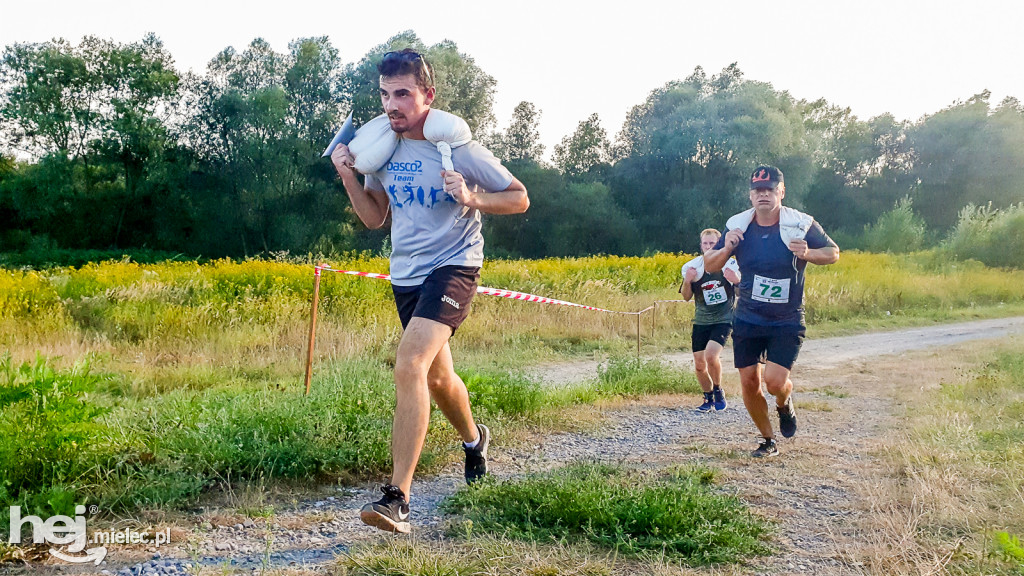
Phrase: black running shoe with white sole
(766,449)
(476,457)
(787,418)
(390,513)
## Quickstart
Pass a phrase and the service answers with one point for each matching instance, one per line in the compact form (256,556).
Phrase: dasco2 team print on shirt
(428,228)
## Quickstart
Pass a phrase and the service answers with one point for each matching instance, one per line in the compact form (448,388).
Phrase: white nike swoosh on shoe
(402,516)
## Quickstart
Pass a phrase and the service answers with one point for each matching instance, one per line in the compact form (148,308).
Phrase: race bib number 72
(771,290)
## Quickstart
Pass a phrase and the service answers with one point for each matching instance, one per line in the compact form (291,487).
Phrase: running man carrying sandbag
(772,244)
(424,170)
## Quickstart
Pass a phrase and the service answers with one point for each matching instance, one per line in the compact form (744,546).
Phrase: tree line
(108,146)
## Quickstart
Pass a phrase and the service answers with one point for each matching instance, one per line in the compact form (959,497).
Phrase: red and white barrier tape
(488,291)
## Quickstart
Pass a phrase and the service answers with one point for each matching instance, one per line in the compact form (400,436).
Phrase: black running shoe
(476,458)
(390,513)
(766,449)
(708,405)
(787,418)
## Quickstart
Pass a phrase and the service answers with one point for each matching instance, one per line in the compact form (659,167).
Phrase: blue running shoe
(719,398)
(708,405)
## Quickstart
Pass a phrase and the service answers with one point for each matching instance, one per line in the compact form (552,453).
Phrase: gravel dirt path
(815,490)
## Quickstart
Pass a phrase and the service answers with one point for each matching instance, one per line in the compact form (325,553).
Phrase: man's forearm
(822,256)
(510,201)
(370,211)
(716,259)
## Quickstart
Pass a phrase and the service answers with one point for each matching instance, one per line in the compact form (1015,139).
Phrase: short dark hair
(407,61)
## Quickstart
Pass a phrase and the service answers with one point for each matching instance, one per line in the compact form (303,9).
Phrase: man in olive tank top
(714,297)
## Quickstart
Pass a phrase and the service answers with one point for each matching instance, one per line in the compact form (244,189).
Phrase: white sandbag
(375,142)
(446,131)
(793,224)
(373,145)
(698,265)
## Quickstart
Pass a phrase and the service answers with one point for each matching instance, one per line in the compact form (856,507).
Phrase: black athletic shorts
(443,297)
(704,333)
(752,344)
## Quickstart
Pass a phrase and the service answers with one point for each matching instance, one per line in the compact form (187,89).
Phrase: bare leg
(450,394)
(713,357)
(700,366)
(422,341)
(776,380)
(754,400)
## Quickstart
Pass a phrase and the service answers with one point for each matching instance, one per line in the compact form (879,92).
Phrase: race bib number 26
(715,296)
(771,290)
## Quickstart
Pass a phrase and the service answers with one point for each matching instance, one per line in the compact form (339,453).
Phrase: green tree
(861,168)
(95,114)
(51,96)
(250,139)
(967,153)
(583,150)
(139,83)
(315,84)
(990,235)
(521,141)
(686,152)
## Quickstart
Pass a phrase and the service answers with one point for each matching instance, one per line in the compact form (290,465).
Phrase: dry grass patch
(955,465)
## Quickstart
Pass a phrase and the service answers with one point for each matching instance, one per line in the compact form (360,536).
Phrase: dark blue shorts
(752,344)
(443,297)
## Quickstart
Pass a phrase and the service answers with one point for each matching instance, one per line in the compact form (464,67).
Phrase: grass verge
(956,499)
(675,513)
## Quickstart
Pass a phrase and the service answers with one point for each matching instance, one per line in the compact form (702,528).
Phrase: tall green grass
(69,437)
(49,422)
(230,308)
(64,442)
(194,371)
(676,513)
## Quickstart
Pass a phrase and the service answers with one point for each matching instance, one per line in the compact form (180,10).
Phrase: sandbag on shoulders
(697,264)
(374,144)
(793,224)
(446,131)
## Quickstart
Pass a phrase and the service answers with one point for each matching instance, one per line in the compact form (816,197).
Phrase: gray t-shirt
(428,228)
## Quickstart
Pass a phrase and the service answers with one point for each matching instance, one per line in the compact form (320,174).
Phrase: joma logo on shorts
(448,300)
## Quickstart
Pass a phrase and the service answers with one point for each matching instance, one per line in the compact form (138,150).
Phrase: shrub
(991,236)
(898,230)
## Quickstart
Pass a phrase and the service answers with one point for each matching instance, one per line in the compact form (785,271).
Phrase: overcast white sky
(572,59)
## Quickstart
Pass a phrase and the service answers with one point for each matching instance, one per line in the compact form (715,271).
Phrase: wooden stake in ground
(312,326)
(638,334)
(639,315)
